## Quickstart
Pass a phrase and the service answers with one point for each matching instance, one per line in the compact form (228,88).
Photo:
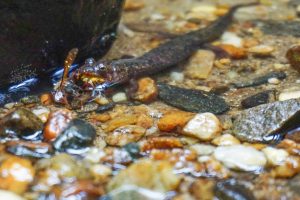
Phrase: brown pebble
(16,174)
(176,119)
(56,123)
(234,52)
(293,56)
(147,90)
(46,99)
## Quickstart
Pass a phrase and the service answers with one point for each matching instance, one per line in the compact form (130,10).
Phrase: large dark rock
(268,122)
(76,138)
(35,36)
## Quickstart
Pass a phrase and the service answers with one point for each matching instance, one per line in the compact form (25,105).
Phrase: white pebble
(261,50)
(241,157)
(231,38)
(94,155)
(42,113)
(275,156)
(274,81)
(177,76)
(204,126)
(226,140)
(203,149)
(157,17)
(119,97)
(99,170)
(6,195)
(10,105)
(289,95)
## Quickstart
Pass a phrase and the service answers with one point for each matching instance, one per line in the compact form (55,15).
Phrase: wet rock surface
(192,100)
(232,190)
(77,137)
(265,123)
(21,123)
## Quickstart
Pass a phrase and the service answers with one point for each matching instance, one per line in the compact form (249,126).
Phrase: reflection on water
(32,86)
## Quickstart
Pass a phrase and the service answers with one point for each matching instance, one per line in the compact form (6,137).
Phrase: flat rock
(264,122)
(192,100)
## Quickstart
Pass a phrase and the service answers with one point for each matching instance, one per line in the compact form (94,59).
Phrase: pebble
(94,155)
(233,51)
(258,99)
(275,156)
(203,149)
(147,90)
(267,122)
(261,50)
(131,192)
(274,81)
(21,123)
(241,157)
(119,97)
(6,195)
(170,121)
(30,100)
(159,176)
(225,140)
(56,123)
(16,174)
(289,95)
(204,126)
(42,112)
(200,64)
(76,138)
(66,166)
(232,39)
(100,172)
(177,76)
(197,101)
(260,80)
(232,190)
(125,135)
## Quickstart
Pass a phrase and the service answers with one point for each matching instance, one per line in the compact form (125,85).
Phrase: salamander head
(81,85)
(93,75)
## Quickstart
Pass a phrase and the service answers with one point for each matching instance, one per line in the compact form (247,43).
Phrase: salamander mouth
(89,81)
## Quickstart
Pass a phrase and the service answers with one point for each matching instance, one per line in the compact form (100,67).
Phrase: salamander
(98,76)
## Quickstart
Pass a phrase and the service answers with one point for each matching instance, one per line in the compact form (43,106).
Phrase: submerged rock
(266,123)
(260,80)
(159,176)
(232,190)
(192,100)
(258,99)
(21,123)
(76,138)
